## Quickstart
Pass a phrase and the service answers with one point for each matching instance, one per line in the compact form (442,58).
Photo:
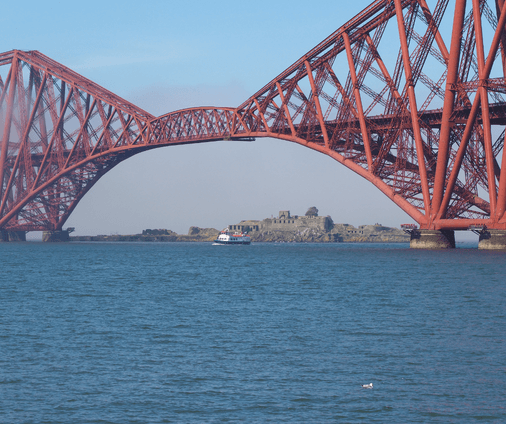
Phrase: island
(309,228)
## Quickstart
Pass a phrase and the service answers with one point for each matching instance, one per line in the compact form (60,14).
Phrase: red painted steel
(408,95)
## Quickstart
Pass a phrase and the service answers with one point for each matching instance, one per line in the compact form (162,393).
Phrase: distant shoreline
(182,238)
(283,229)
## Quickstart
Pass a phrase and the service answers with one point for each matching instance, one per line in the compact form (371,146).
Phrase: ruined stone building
(285,222)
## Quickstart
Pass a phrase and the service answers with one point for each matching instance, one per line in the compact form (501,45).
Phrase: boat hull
(232,242)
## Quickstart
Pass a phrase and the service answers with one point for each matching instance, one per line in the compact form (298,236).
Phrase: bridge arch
(180,186)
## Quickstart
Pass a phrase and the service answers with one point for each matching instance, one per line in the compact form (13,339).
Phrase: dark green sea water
(157,333)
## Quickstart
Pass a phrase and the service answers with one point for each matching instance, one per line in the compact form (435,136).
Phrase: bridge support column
(492,240)
(12,236)
(432,239)
(55,236)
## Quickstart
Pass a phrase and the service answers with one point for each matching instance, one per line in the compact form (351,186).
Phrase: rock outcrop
(204,234)
(376,233)
(160,235)
(313,228)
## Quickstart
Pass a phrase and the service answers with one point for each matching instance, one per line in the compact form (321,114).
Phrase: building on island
(285,222)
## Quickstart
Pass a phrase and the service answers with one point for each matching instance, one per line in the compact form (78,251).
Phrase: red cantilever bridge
(410,96)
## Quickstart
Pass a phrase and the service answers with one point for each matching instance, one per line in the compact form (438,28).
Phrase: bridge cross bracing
(407,94)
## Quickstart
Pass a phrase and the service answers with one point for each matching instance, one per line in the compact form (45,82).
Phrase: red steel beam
(358,100)
(446,124)
(412,104)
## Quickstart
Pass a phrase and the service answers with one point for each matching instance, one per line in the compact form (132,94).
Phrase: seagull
(367,386)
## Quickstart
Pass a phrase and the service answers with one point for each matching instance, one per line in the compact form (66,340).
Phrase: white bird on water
(367,386)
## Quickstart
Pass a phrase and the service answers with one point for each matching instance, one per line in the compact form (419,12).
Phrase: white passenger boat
(226,237)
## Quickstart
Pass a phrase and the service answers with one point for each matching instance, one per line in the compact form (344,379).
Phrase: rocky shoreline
(339,233)
(195,234)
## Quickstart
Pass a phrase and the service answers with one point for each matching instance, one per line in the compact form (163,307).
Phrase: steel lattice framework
(409,96)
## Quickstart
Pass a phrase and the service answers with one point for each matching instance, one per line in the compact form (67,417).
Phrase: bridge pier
(56,236)
(12,236)
(432,239)
(492,240)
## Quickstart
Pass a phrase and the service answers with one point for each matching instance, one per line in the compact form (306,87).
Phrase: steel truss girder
(418,111)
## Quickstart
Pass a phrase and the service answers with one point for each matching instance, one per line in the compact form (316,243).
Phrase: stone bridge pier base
(12,235)
(55,236)
(492,240)
(432,239)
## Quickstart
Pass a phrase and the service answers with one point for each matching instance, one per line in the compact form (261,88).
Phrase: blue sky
(167,55)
